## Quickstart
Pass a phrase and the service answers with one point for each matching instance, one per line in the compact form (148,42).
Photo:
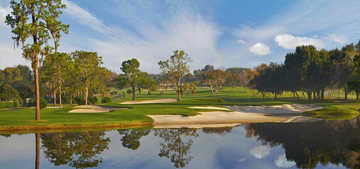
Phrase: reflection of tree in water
(176,145)
(78,150)
(6,135)
(131,137)
(220,130)
(310,144)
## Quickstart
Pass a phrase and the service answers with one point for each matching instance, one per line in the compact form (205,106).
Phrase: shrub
(43,102)
(92,100)
(106,100)
(79,100)
(220,100)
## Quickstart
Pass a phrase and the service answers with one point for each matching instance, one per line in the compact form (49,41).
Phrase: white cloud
(4,11)
(85,17)
(260,152)
(257,34)
(193,34)
(282,162)
(260,49)
(288,41)
(241,42)
(10,56)
(338,38)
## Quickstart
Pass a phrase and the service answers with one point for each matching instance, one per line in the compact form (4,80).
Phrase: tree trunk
(322,94)
(357,95)
(60,92)
(37,147)
(133,92)
(71,99)
(309,95)
(86,95)
(37,90)
(345,93)
(54,97)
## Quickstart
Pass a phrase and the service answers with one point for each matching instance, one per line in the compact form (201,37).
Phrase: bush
(220,100)
(106,100)
(79,100)
(43,102)
(92,100)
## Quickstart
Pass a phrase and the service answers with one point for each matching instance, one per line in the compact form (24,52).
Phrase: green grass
(23,118)
(337,112)
(6,105)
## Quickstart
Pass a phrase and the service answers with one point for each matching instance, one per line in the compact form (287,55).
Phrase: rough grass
(23,118)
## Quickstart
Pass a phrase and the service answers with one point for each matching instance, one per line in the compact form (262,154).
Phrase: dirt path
(150,101)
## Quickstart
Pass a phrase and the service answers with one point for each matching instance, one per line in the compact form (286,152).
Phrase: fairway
(127,115)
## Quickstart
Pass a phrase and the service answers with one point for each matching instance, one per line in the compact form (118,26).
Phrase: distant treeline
(311,71)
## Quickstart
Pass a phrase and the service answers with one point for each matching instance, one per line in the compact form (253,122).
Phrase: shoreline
(216,117)
(56,127)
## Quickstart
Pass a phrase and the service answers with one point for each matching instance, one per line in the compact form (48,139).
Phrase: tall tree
(28,19)
(176,68)
(55,68)
(88,66)
(132,74)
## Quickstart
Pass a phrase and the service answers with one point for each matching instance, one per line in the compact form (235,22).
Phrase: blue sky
(226,34)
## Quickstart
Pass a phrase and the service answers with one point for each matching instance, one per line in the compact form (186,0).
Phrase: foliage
(43,103)
(106,100)
(175,69)
(75,149)
(35,20)
(89,72)
(132,75)
(92,100)
(308,70)
(8,93)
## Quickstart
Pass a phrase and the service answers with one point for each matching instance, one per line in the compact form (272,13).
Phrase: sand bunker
(90,109)
(210,108)
(240,115)
(284,109)
(150,101)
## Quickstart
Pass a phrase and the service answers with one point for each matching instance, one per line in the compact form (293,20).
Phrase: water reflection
(131,137)
(176,145)
(311,144)
(77,150)
(334,144)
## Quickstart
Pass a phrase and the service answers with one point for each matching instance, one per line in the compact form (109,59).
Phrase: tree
(132,74)
(176,68)
(131,137)
(215,79)
(54,70)
(8,93)
(89,70)
(176,145)
(28,19)
(145,81)
(77,150)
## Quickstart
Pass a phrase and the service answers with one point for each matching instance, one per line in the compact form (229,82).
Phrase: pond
(331,144)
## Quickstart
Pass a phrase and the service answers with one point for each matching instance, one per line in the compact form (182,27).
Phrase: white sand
(277,109)
(150,101)
(241,114)
(209,108)
(89,109)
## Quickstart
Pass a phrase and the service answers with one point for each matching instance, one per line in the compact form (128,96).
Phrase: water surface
(333,144)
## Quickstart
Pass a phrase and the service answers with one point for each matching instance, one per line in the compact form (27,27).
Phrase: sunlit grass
(137,114)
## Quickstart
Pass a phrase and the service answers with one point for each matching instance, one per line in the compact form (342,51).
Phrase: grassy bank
(22,118)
